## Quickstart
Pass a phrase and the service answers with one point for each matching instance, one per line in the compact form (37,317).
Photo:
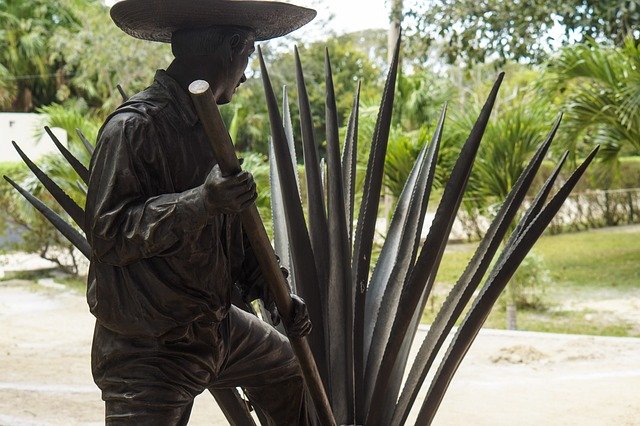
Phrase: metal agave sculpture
(365,318)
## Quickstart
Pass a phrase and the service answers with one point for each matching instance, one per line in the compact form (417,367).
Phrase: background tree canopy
(30,70)
(475,31)
(64,59)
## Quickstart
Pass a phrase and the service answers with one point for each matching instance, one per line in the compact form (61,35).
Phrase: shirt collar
(183,102)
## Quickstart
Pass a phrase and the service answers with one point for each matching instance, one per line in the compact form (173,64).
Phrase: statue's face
(235,74)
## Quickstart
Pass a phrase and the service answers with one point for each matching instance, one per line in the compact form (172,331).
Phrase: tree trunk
(24,100)
(395,21)
(512,309)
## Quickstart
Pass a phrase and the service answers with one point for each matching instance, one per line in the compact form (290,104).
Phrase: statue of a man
(168,246)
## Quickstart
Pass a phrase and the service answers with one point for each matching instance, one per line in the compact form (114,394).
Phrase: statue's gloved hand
(270,303)
(228,194)
(301,324)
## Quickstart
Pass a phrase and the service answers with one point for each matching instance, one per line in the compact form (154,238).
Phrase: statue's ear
(234,42)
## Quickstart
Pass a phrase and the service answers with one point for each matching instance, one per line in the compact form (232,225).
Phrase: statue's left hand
(300,324)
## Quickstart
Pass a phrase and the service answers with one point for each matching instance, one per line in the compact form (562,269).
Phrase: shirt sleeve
(126,220)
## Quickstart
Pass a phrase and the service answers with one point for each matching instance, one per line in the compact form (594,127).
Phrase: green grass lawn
(600,265)
(583,268)
(605,259)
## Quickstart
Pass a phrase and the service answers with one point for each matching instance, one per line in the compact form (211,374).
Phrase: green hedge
(623,175)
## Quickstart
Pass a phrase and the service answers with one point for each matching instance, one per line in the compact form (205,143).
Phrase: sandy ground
(508,378)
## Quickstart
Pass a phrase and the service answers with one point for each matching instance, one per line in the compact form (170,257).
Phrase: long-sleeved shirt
(159,260)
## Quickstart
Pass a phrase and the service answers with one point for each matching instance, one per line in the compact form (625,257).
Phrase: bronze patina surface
(167,244)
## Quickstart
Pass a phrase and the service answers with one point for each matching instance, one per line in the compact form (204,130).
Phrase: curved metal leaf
(67,204)
(80,169)
(340,288)
(87,145)
(301,251)
(395,264)
(463,290)
(349,163)
(498,279)
(420,281)
(65,229)
(318,227)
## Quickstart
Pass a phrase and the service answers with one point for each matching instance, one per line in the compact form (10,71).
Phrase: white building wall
(22,128)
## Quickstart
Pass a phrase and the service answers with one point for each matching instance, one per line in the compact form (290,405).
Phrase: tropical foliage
(600,90)
(36,233)
(248,112)
(31,71)
(98,58)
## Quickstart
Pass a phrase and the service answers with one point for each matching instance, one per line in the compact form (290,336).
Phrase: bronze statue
(167,244)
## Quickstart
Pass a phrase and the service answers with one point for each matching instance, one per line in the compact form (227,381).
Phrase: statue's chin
(225,99)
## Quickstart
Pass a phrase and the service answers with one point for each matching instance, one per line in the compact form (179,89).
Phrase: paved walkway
(508,377)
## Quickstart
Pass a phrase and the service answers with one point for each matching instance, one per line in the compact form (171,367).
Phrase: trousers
(153,381)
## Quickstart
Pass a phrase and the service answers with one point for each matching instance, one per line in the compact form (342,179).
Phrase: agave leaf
(467,284)
(340,288)
(398,251)
(282,245)
(365,229)
(80,169)
(288,131)
(420,281)
(123,94)
(498,279)
(539,201)
(68,205)
(301,251)
(65,229)
(318,227)
(395,263)
(349,163)
(280,237)
(87,145)
(233,407)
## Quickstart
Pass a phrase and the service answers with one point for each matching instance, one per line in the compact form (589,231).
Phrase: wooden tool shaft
(225,155)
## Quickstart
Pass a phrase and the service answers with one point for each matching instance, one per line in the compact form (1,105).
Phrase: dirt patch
(518,354)
(609,307)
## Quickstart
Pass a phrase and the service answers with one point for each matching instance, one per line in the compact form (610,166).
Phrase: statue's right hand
(228,194)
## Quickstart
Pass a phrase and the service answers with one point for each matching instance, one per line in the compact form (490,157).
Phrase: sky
(348,15)
(355,15)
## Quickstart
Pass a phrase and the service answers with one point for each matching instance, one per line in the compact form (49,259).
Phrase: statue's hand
(301,324)
(268,300)
(230,194)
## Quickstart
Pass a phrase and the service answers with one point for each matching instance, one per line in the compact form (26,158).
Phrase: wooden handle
(225,155)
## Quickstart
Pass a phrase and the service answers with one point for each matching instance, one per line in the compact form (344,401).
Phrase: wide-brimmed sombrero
(155,20)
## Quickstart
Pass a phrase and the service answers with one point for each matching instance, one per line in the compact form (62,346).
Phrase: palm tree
(601,88)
